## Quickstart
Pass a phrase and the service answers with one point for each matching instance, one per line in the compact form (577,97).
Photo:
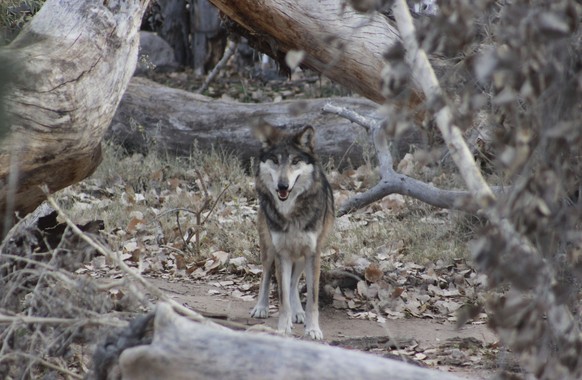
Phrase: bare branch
(352,116)
(400,184)
(426,78)
(228,52)
(383,152)
(393,182)
(106,321)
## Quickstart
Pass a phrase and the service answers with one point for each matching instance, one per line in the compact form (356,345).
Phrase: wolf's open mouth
(283,194)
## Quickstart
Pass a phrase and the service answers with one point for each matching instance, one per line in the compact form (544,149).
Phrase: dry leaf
(373,273)
(134,225)
(397,292)
(180,261)
(221,257)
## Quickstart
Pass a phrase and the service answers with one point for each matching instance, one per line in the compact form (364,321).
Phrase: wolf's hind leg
(298,315)
(261,310)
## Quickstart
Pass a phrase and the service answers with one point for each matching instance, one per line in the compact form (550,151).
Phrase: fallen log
(338,42)
(184,349)
(173,120)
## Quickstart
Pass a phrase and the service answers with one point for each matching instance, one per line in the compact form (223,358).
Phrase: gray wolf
(295,216)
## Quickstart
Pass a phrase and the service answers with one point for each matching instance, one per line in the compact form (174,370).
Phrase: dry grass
(419,235)
(14,14)
(126,187)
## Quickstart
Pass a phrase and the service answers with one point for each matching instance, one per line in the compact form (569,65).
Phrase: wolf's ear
(306,138)
(265,132)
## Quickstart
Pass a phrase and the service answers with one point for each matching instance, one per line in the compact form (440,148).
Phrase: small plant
(205,205)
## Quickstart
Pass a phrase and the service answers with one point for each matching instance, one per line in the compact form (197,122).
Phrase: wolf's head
(287,161)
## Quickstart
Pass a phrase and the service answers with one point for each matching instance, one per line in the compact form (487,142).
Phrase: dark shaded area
(7,68)
(106,355)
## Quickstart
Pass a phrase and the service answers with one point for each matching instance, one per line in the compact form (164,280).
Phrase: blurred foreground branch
(497,254)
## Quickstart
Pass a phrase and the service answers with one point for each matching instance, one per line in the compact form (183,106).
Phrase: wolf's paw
(285,329)
(260,312)
(313,333)
(299,317)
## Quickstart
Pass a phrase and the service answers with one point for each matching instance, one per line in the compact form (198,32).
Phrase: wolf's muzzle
(283,191)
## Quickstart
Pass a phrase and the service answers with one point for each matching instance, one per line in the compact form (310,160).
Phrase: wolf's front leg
(298,315)
(284,279)
(261,310)
(312,330)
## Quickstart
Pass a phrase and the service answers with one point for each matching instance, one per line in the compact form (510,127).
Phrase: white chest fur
(294,243)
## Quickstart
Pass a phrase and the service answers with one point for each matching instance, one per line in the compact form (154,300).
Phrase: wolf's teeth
(283,195)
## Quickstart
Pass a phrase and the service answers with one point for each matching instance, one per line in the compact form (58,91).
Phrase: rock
(154,54)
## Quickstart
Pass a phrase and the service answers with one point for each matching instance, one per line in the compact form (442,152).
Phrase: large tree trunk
(175,29)
(344,45)
(175,119)
(73,62)
(183,349)
(208,42)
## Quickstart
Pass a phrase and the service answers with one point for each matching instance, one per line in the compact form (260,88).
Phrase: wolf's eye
(296,160)
(274,159)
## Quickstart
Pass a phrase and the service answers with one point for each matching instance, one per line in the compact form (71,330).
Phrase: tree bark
(174,120)
(344,45)
(208,42)
(175,29)
(182,349)
(74,60)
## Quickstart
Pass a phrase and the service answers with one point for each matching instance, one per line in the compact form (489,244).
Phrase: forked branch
(392,182)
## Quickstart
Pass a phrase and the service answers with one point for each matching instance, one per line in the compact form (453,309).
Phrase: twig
(198,213)
(202,184)
(29,261)
(60,321)
(110,284)
(173,210)
(46,364)
(228,52)
(8,334)
(200,210)
(215,203)
(352,116)
(186,240)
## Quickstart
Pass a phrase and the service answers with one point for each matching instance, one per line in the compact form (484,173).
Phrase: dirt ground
(433,337)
